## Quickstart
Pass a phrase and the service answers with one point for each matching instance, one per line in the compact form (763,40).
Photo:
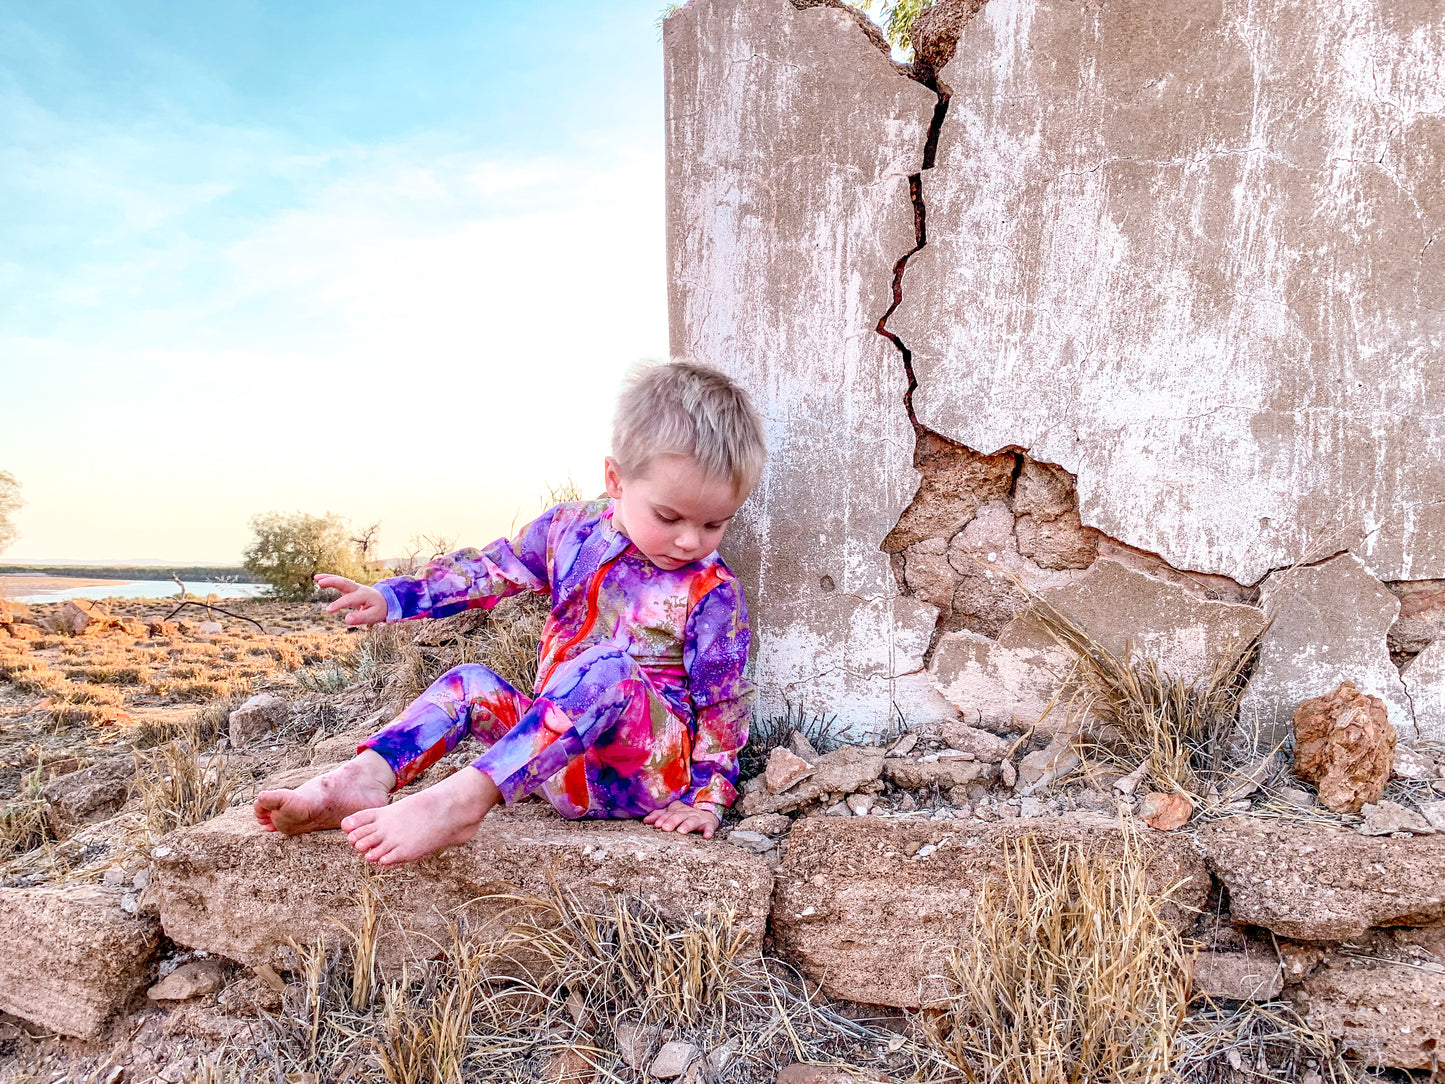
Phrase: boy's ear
(612,478)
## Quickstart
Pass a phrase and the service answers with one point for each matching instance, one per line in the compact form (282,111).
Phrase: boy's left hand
(683,818)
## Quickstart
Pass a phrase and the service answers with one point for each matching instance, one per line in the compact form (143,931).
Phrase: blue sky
(378,259)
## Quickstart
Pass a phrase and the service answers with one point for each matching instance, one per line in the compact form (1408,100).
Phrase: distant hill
(191,573)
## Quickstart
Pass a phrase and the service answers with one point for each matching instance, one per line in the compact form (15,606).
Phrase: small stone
(113,877)
(189,980)
(257,718)
(1434,813)
(1297,796)
(801,747)
(1008,774)
(908,803)
(210,628)
(1410,764)
(568,1066)
(750,841)
(1165,812)
(719,1058)
(860,805)
(768,824)
(1130,783)
(1386,818)
(1345,745)
(633,1042)
(1247,780)
(672,1060)
(1031,807)
(904,745)
(785,769)
(141,880)
(808,1073)
(247,996)
(838,809)
(1238,976)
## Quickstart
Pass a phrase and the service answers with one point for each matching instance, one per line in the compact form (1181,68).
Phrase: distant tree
(896,17)
(9,502)
(290,549)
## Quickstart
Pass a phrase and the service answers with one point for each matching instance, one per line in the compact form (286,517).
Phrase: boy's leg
(625,751)
(600,740)
(465,699)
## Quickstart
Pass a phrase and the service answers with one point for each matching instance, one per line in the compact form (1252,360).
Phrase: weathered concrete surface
(1316,882)
(791,137)
(1016,677)
(1385,1015)
(1250,975)
(1185,251)
(1330,622)
(72,957)
(228,887)
(872,908)
(1424,680)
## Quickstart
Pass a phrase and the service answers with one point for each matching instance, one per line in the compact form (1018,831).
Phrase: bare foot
(427,821)
(361,783)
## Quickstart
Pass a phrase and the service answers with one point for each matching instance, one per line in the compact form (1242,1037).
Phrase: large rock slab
(228,887)
(791,136)
(1330,622)
(1011,681)
(1147,262)
(72,957)
(1385,1015)
(1315,882)
(872,908)
(1424,680)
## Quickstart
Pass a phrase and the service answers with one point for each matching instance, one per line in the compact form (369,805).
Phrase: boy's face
(674,513)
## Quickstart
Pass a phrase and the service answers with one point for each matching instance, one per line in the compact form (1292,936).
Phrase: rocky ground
(152,932)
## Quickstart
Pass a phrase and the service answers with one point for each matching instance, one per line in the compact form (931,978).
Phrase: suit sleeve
(715,653)
(473,578)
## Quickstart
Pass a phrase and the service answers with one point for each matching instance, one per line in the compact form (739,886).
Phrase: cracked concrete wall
(1188,251)
(1180,306)
(791,137)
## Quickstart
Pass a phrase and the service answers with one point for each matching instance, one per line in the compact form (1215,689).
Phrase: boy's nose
(686,541)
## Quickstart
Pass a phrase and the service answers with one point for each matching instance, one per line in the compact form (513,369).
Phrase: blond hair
(680,408)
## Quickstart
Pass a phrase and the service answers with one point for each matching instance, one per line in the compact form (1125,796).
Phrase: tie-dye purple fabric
(686,629)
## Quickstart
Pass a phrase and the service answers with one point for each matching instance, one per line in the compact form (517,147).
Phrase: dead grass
(24,820)
(551,980)
(1254,1042)
(1073,974)
(178,787)
(771,731)
(1135,713)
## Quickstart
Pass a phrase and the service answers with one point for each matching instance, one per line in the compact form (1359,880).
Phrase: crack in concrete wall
(1124,458)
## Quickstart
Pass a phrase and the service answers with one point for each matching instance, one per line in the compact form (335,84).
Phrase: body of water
(140,589)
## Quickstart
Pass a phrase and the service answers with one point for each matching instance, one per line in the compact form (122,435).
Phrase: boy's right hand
(367,604)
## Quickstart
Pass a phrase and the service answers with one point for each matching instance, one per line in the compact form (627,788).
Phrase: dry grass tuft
(1138,714)
(179,788)
(25,821)
(553,979)
(1073,973)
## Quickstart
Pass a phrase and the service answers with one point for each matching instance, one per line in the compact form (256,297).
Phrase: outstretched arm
(367,605)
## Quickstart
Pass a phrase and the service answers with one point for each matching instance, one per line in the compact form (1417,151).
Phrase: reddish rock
(233,890)
(80,616)
(157,627)
(1345,745)
(73,957)
(1385,1015)
(873,908)
(784,769)
(90,794)
(843,771)
(803,1072)
(1165,812)
(23,631)
(1316,882)
(193,979)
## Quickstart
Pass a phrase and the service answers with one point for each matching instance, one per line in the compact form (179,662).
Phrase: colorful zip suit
(641,671)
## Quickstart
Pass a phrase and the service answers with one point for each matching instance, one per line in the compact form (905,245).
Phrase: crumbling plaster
(1189,252)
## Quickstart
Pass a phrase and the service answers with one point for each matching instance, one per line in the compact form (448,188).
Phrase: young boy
(640,705)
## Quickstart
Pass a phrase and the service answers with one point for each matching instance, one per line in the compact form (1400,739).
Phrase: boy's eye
(667,519)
